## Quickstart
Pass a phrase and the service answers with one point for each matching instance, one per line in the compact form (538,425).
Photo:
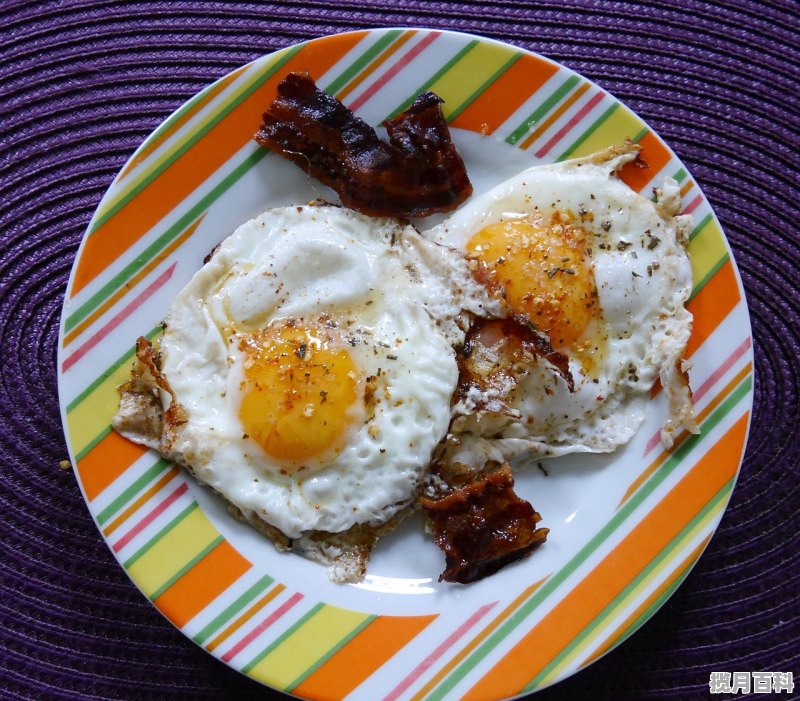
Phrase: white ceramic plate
(625,528)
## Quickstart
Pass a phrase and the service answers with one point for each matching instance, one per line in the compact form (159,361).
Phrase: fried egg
(601,272)
(313,358)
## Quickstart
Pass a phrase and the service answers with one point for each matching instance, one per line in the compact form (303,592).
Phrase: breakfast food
(576,255)
(305,374)
(327,371)
(483,525)
(418,172)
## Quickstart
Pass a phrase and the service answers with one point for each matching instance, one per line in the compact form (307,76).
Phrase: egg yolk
(544,271)
(299,392)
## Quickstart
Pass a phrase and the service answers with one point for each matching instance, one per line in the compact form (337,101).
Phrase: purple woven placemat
(83,83)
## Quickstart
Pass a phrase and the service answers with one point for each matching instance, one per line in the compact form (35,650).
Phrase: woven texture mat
(83,83)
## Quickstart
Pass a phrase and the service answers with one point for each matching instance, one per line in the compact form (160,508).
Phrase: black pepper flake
(654,241)
(555,271)
(300,351)
(605,225)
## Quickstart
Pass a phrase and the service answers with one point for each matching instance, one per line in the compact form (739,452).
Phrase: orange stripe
(478,639)
(711,305)
(379,61)
(136,505)
(655,154)
(505,95)
(688,185)
(713,404)
(163,134)
(135,280)
(353,663)
(107,461)
(592,594)
(563,107)
(202,584)
(239,622)
(630,620)
(197,164)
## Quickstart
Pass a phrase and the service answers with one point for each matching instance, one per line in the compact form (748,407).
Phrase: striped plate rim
(253,619)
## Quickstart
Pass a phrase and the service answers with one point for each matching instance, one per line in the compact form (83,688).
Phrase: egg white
(390,293)
(643,278)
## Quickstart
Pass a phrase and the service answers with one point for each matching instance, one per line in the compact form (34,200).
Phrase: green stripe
(673,546)
(640,135)
(150,543)
(146,477)
(583,554)
(711,273)
(126,358)
(228,613)
(164,240)
(703,222)
(558,95)
(183,570)
(279,640)
(360,63)
(427,84)
(346,639)
(195,136)
(174,117)
(602,118)
(680,176)
(511,61)
(657,604)
(93,443)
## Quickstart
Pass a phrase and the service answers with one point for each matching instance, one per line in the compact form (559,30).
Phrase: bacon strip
(417,173)
(483,527)
(497,351)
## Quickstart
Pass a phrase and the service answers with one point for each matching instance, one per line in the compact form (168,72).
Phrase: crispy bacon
(496,352)
(483,526)
(417,173)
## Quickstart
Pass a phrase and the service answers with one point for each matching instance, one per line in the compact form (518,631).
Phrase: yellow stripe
(311,641)
(461,82)
(173,552)
(620,125)
(93,415)
(612,616)
(706,249)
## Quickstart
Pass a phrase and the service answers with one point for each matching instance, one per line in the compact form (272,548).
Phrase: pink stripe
(701,391)
(438,652)
(147,520)
(261,627)
(569,125)
(394,70)
(692,205)
(119,318)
